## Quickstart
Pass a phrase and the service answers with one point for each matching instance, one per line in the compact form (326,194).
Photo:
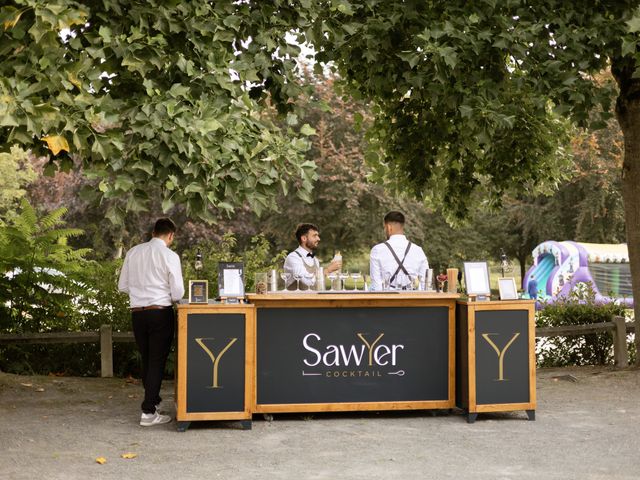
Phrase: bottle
(198,263)
(338,258)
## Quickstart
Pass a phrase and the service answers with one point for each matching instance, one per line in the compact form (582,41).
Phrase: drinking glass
(428,282)
(285,277)
(332,278)
(356,276)
(386,279)
(421,285)
(311,279)
(343,276)
(414,282)
(297,277)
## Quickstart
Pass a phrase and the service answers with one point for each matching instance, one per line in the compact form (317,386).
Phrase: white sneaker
(151,419)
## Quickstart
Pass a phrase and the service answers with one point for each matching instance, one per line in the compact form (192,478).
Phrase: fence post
(620,354)
(106,351)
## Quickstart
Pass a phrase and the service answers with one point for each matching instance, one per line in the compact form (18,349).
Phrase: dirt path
(587,427)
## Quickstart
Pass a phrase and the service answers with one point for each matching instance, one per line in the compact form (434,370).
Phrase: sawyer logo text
(360,358)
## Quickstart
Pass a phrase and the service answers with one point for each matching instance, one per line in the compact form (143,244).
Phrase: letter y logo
(215,360)
(499,352)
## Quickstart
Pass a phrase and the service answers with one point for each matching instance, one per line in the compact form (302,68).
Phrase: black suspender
(398,261)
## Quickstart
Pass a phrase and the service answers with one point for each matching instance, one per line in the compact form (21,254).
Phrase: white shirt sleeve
(375,270)
(123,281)
(176,284)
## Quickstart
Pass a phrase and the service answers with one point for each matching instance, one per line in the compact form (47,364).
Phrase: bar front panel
(502,356)
(216,362)
(349,355)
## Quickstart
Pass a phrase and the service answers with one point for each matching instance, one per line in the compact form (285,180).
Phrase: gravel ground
(587,427)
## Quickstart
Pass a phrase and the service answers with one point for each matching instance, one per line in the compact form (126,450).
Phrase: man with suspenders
(393,262)
(301,263)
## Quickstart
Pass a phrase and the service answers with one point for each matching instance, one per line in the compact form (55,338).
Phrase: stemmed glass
(356,276)
(332,278)
(284,276)
(311,279)
(343,276)
(297,277)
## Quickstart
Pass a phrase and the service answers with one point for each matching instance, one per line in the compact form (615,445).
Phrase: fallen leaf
(101,460)
(27,384)
(39,389)
(129,455)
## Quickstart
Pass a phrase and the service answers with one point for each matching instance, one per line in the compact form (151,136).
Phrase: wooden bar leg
(471,417)
(183,426)
(531,414)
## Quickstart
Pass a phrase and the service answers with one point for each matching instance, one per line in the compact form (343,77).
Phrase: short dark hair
(394,217)
(164,226)
(303,229)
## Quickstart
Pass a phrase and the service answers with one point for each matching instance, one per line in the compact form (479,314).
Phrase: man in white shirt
(152,276)
(301,264)
(394,262)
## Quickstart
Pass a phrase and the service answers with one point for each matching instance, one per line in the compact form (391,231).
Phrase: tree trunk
(522,260)
(628,114)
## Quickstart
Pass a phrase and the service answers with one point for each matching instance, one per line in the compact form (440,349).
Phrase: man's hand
(333,266)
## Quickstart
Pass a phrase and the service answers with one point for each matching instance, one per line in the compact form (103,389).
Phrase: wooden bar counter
(324,351)
(495,350)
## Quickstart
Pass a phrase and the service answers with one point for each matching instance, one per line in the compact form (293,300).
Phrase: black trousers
(153,331)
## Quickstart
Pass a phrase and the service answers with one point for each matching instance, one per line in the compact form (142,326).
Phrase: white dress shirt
(382,263)
(151,275)
(300,265)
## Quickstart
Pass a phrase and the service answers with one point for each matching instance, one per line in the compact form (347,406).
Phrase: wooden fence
(106,336)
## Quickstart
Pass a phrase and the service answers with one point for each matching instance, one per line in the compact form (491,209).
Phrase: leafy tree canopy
(157,96)
(470,95)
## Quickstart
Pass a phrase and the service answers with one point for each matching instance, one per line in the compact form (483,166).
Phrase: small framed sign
(231,279)
(476,277)
(507,287)
(198,291)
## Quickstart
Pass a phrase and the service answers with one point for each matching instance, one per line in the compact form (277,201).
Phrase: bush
(257,258)
(579,308)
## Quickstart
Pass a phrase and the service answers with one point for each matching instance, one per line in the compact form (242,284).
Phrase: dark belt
(150,307)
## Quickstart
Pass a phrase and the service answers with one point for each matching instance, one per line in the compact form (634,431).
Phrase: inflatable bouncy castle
(560,267)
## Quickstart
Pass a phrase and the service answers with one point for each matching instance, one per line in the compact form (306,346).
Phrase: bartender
(302,263)
(394,262)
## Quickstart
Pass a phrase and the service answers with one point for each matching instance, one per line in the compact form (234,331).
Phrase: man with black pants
(152,276)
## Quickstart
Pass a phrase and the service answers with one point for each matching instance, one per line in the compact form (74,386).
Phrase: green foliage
(157,97)
(15,174)
(578,309)
(39,272)
(256,258)
(462,90)
(103,303)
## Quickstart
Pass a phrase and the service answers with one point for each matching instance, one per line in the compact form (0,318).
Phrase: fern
(40,272)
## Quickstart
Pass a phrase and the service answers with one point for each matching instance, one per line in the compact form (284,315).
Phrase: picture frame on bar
(198,291)
(231,280)
(507,288)
(476,278)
